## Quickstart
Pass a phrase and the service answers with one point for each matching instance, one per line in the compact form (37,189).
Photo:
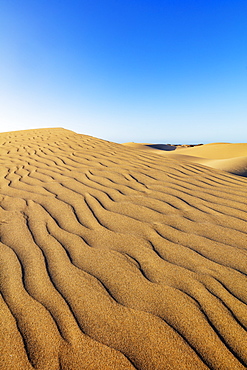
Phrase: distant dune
(228,157)
(121,257)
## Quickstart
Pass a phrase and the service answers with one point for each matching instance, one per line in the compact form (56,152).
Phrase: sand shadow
(166,147)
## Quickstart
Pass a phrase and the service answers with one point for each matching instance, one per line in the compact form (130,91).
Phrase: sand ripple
(114,258)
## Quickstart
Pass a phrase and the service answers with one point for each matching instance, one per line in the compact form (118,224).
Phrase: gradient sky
(171,71)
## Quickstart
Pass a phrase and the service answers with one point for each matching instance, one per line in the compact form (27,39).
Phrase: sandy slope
(116,258)
(228,157)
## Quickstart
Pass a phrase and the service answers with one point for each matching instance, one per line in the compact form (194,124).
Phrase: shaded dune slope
(113,258)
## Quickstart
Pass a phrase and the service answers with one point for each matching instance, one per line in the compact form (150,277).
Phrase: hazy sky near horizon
(171,71)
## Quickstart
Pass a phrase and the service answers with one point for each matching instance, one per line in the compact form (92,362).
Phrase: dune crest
(117,258)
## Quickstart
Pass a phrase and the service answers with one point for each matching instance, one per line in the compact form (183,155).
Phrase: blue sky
(168,71)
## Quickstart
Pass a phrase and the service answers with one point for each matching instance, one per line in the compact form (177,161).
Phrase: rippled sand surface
(229,157)
(116,258)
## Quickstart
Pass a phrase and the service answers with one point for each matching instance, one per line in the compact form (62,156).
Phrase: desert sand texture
(228,157)
(117,258)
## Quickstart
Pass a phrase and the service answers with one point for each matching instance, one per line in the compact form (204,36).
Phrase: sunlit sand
(121,256)
(228,157)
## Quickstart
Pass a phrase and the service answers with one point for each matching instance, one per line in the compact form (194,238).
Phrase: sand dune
(231,158)
(118,258)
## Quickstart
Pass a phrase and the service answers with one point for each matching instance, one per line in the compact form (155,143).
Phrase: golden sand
(228,157)
(117,258)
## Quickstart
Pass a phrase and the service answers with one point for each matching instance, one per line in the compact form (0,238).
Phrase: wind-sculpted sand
(228,157)
(116,258)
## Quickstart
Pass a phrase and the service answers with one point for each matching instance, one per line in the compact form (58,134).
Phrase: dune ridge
(116,258)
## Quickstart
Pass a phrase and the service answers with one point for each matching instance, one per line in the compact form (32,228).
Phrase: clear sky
(168,71)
